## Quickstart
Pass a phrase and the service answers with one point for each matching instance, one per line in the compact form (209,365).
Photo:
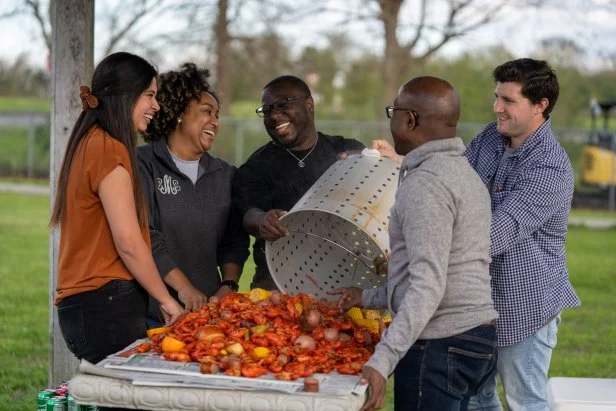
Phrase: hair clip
(87,99)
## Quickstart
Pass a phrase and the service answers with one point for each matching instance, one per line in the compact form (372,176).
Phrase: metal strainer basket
(338,230)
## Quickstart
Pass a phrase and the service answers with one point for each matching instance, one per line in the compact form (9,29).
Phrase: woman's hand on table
(349,297)
(171,311)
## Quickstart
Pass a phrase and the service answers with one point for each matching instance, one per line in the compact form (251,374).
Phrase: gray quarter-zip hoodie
(439,282)
(194,227)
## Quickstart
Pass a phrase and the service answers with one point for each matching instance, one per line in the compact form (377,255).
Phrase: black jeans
(97,323)
(443,374)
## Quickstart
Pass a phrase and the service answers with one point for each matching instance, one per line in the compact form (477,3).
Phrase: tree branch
(34,6)
(9,14)
(420,26)
(144,11)
(454,29)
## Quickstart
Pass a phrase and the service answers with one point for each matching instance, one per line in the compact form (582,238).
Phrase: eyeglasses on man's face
(280,105)
(389,110)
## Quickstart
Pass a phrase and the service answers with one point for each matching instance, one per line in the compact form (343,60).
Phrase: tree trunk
(223,69)
(393,59)
(72,61)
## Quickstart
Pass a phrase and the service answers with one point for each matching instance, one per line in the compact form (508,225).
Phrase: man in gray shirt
(441,345)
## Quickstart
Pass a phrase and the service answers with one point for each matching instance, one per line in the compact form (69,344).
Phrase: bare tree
(428,36)
(117,25)
(590,32)
(216,25)
(410,37)
(42,19)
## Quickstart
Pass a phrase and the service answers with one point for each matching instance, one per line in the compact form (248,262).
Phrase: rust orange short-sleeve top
(88,258)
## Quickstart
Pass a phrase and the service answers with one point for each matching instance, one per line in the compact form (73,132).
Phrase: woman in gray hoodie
(198,242)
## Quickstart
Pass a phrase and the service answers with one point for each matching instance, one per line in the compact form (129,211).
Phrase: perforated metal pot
(338,230)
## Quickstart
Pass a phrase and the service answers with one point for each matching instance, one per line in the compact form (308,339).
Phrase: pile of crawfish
(290,336)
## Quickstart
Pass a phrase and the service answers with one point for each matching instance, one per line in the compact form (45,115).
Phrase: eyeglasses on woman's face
(280,105)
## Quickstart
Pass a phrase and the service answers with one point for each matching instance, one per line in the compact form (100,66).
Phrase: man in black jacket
(279,173)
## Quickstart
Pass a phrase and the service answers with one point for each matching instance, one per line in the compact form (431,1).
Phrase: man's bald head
(434,98)
(435,108)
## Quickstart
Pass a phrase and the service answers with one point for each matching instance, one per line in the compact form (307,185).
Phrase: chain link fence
(25,140)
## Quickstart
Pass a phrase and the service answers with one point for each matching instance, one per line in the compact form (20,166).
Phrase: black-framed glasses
(389,110)
(282,104)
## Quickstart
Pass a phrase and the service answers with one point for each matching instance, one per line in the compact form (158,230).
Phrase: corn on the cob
(371,314)
(259,294)
(371,325)
(354,314)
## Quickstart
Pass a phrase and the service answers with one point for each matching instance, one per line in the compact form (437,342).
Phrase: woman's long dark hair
(117,83)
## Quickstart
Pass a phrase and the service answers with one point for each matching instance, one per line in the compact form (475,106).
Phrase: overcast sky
(519,31)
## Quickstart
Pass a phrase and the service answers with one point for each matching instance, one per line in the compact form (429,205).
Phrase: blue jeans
(523,369)
(97,323)
(443,374)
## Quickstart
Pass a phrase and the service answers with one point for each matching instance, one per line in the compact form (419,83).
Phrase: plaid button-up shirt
(531,199)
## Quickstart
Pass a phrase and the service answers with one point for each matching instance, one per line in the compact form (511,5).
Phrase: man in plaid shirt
(530,180)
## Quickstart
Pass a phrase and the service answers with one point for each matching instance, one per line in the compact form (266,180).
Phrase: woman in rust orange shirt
(105,265)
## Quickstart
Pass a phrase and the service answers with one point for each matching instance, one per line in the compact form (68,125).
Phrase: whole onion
(276,297)
(331,334)
(226,315)
(313,318)
(305,342)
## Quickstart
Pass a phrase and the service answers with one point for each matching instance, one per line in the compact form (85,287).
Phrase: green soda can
(56,404)
(83,407)
(42,397)
(70,403)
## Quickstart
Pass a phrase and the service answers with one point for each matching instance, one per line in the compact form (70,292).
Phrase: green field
(586,335)
(24,104)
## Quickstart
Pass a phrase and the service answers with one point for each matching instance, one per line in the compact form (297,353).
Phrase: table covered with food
(248,351)
(284,350)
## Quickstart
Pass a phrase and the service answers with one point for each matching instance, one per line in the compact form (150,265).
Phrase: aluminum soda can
(42,397)
(83,407)
(70,403)
(61,392)
(56,404)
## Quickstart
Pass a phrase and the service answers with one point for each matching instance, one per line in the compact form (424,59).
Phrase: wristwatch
(231,284)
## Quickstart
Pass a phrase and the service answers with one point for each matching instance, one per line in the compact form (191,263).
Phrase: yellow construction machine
(599,155)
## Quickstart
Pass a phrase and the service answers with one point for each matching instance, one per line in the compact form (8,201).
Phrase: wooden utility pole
(72,60)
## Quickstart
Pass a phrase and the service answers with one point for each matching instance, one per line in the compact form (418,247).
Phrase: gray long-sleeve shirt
(439,283)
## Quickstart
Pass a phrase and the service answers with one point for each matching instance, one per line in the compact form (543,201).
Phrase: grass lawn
(24,104)
(586,335)
(24,343)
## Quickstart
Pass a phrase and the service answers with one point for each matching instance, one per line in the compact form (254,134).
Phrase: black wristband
(231,284)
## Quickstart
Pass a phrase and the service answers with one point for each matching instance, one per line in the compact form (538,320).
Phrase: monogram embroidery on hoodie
(167,185)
